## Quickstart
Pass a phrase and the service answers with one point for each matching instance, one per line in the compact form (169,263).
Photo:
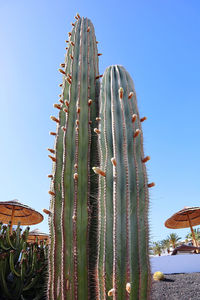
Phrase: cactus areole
(98,213)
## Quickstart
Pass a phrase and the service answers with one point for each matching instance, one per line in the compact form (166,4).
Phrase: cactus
(123,260)
(157,276)
(98,226)
(23,266)
(73,208)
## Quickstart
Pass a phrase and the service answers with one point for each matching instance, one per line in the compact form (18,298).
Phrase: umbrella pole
(12,218)
(193,235)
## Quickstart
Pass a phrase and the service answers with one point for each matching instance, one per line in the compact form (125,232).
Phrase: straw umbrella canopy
(15,212)
(186,217)
(36,234)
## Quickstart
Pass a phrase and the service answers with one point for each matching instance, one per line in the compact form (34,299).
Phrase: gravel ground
(177,287)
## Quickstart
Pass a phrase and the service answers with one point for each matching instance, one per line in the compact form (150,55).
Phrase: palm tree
(173,239)
(196,233)
(156,248)
(165,244)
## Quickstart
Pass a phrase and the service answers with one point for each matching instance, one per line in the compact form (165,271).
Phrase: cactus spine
(123,261)
(73,189)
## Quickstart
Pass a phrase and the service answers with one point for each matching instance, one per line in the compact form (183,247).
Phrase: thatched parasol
(36,234)
(186,217)
(15,212)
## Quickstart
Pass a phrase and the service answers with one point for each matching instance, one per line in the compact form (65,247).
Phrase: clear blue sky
(157,41)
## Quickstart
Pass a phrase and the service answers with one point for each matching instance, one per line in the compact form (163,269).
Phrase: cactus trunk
(123,260)
(74,191)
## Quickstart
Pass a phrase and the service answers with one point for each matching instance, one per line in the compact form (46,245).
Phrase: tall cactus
(73,215)
(123,260)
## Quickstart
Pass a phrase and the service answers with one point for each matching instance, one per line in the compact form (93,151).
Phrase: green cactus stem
(72,216)
(123,260)
(23,266)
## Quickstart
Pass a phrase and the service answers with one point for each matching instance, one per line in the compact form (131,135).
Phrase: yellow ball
(158,276)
